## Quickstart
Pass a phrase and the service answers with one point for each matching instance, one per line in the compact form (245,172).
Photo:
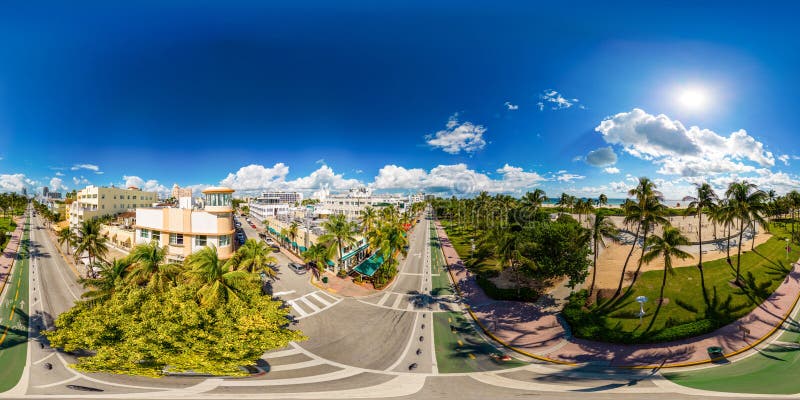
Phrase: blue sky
(452,98)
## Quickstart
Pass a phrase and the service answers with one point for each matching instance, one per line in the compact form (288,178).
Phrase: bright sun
(693,98)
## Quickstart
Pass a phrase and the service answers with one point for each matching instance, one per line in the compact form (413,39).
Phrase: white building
(273,204)
(355,200)
(94,201)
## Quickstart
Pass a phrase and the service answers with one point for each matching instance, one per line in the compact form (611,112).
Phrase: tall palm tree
(602,200)
(601,228)
(706,200)
(318,254)
(369,217)
(292,231)
(68,237)
(531,201)
(666,246)
(284,236)
(111,276)
(748,206)
(148,267)
(217,281)
(91,241)
(391,242)
(254,257)
(339,232)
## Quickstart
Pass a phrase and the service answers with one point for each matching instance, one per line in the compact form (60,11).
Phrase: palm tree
(110,277)
(531,201)
(217,281)
(748,206)
(667,247)
(602,200)
(369,218)
(254,257)
(339,232)
(284,236)
(292,231)
(317,254)
(601,228)
(148,267)
(391,241)
(68,237)
(645,211)
(506,245)
(706,200)
(91,241)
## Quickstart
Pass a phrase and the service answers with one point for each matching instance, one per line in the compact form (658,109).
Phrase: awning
(330,263)
(354,252)
(303,249)
(294,244)
(272,231)
(370,265)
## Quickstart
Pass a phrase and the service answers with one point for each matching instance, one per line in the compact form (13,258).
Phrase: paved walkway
(10,252)
(536,329)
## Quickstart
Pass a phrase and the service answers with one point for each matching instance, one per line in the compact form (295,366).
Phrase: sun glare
(693,98)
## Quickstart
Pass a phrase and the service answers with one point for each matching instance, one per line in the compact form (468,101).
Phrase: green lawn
(685,313)
(472,354)
(461,236)
(440,279)
(14,330)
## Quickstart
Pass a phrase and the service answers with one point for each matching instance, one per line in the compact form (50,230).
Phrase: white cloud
(784,158)
(683,151)
(456,179)
(602,157)
(14,182)
(458,137)
(150,185)
(512,107)
(80,180)
(611,170)
(56,184)
(565,177)
(90,167)
(255,177)
(59,174)
(555,101)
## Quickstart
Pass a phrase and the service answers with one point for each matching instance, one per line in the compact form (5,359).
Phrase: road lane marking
(397,301)
(321,300)
(299,365)
(384,298)
(282,353)
(297,309)
(307,303)
(44,358)
(59,383)
(408,345)
(283,293)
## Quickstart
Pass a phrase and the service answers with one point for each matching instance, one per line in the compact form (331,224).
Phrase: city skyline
(581,101)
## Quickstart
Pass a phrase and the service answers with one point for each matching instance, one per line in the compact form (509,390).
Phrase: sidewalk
(10,252)
(536,329)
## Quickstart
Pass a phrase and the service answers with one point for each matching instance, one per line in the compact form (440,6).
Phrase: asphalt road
(358,348)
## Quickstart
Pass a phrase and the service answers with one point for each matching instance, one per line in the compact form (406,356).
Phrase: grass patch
(686,314)
(14,326)
(461,237)
(452,327)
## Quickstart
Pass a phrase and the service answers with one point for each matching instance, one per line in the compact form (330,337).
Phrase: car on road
(298,268)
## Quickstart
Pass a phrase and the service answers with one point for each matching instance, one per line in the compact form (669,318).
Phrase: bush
(342,273)
(491,290)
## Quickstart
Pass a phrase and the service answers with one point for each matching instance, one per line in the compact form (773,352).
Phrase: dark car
(298,268)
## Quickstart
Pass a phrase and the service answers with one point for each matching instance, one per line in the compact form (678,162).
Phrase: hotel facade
(95,201)
(186,229)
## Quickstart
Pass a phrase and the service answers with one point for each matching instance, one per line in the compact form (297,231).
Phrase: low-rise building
(96,201)
(354,201)
(178,192)
(190,227)
(273,204)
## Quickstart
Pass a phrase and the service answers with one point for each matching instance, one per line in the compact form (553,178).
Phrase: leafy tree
(110,278)
(557,249)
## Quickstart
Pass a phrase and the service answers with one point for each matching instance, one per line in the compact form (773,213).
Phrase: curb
(675,365)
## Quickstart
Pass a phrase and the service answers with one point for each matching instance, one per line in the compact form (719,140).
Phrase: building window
(157,236)
(200,240)
(176,239)
(134,197)
(102,196)
(224,240)
(145,234)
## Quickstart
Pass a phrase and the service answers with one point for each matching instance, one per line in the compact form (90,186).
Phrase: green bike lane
(459,347)
(14,318)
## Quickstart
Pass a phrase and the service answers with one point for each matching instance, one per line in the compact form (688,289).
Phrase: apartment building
(178,192)
(355,200)
(272,204)
(190,227)
(98,201)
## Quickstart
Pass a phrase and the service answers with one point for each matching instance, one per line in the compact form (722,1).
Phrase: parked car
(298,268)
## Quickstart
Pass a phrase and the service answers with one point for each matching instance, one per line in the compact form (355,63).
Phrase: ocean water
(618,202)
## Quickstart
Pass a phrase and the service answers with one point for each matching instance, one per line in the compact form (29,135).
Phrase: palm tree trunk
(739,251)
(753,242)
(700,256)
(594,271)
(625,266)
(660,298)
(641,257)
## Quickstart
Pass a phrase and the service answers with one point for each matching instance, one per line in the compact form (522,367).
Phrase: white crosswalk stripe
(384,298)
(397,301)
(304,306)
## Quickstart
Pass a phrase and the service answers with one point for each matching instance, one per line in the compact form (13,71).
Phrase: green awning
(370,265)
(303,249)
(294,244)
(272,231)
(330,263)
(352,253)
